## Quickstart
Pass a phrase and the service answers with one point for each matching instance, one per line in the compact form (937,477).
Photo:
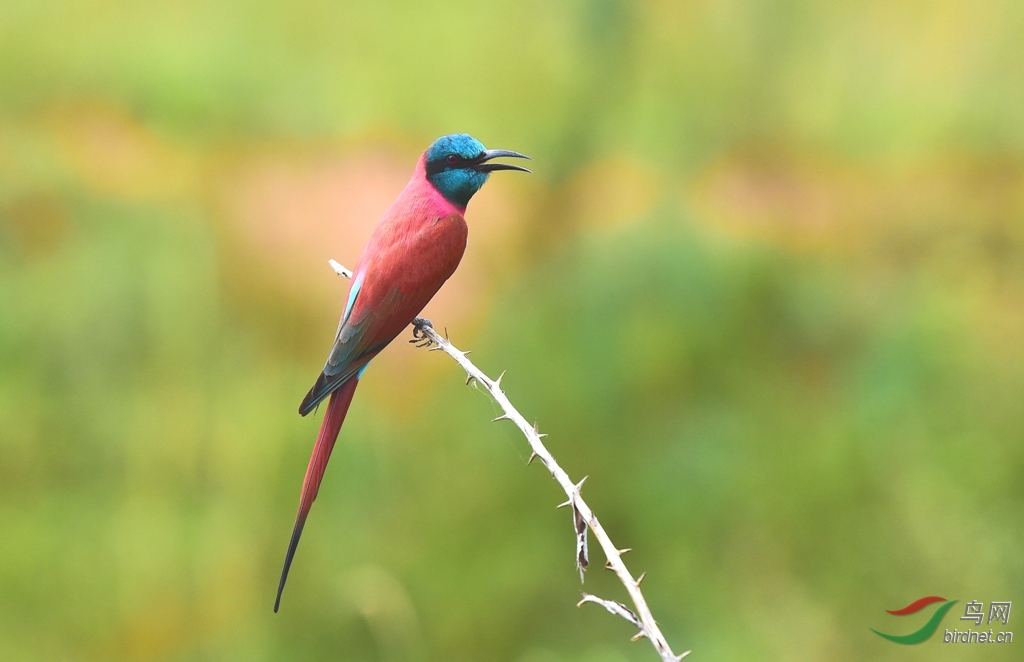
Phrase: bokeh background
(765,288)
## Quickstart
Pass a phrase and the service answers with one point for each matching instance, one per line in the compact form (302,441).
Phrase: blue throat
(458,186)
(455,181)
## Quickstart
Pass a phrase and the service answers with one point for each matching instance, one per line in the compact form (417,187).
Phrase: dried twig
(424,335)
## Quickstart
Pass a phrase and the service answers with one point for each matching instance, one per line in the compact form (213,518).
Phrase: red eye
(453,158)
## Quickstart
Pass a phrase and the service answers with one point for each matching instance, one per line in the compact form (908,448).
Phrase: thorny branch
(424,335)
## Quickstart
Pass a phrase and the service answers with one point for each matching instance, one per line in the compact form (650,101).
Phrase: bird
(415,248)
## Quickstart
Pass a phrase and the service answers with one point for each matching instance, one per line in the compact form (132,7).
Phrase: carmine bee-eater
(412,252)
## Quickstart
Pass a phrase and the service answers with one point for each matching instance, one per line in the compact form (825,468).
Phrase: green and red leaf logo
(928,629)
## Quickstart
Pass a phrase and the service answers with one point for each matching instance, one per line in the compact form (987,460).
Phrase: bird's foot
(419,337)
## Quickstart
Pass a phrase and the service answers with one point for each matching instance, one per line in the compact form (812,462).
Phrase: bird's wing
(356,343)
(386,294)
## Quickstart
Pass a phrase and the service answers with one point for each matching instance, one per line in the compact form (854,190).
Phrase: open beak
(481,163)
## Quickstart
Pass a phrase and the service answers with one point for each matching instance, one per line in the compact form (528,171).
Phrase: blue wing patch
(357,285)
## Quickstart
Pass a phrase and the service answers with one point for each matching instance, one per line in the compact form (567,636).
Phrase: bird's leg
(419,338)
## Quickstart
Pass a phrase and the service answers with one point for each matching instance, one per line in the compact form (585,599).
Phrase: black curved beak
(481,164)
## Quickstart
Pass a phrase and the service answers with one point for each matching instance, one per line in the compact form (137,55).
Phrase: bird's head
(458,165)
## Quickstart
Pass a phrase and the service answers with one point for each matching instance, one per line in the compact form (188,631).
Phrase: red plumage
(415,248)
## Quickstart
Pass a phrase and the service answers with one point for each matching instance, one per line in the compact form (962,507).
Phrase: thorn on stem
(533,456)
(638,636)
(641,578)
(501,418)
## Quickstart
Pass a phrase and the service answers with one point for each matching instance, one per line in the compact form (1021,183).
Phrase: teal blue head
(458,165)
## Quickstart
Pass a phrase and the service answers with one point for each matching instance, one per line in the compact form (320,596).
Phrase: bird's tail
(337,408)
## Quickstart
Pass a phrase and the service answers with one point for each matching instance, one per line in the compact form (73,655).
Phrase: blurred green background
(766,288)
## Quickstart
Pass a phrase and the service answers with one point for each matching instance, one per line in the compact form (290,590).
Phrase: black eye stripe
(440,165)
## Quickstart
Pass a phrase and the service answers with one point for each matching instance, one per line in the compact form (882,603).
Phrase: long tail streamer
(337,408)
